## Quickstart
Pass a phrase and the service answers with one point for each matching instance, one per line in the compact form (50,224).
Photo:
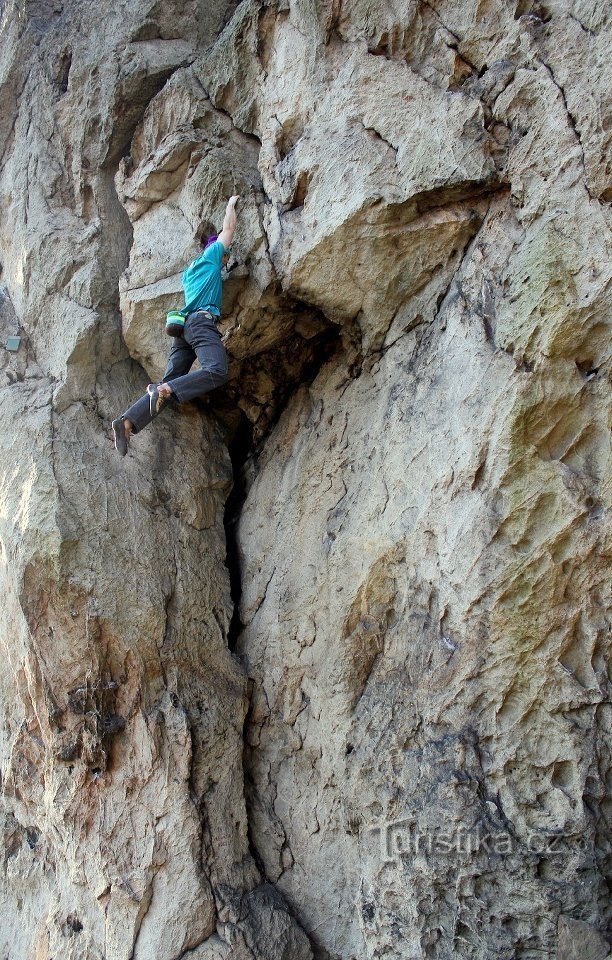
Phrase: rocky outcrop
(319,669)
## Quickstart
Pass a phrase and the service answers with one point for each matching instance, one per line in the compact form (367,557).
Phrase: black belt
(206,313)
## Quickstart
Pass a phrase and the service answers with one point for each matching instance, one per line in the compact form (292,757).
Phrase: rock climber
(198,336)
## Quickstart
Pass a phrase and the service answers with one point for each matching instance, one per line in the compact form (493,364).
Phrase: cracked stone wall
(359,707)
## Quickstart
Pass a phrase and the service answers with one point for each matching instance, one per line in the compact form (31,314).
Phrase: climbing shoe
(121,440)
(157,401)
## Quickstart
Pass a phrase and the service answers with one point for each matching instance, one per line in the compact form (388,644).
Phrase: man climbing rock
(197,337)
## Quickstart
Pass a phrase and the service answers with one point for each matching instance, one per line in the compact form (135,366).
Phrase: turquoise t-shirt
(202,281)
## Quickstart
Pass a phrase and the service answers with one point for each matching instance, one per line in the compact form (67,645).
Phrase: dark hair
(210,240)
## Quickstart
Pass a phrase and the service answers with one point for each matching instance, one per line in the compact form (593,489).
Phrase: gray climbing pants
(200,339)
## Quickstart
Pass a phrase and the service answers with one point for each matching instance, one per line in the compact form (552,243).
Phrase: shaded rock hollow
(390,734)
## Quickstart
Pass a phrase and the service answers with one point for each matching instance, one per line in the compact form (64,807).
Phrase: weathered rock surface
(392,737)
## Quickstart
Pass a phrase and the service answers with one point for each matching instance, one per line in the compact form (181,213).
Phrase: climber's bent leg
(180,360)
(202,334)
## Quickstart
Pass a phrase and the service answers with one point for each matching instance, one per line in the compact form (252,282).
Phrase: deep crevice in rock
(245,444)
(300,362)
(239,450)
(244,450)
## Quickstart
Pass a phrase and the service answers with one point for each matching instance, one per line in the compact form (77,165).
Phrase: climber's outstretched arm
(229,223)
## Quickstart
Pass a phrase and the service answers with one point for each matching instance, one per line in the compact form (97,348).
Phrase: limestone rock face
(321,669)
